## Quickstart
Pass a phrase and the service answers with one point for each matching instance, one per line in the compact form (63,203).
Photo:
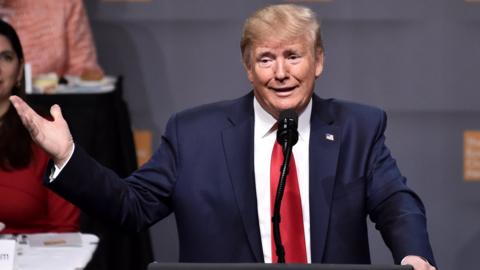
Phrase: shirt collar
(264,122)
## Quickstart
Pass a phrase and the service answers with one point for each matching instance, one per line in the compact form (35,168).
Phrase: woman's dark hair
(15,141)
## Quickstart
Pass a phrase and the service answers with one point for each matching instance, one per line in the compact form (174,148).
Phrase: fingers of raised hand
(31,126)
(27,115)
(56,112)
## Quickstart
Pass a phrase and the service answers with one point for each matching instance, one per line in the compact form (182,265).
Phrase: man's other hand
(417,262)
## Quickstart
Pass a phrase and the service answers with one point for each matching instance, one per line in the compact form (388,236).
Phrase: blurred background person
(56,36)
(27,206)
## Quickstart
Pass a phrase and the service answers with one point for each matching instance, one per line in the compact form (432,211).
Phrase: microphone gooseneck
(287,137)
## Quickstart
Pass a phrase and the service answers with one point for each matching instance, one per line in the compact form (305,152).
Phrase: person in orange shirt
(55,35)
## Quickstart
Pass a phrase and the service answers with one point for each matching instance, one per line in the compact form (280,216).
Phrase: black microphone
(287,137)
(287,128)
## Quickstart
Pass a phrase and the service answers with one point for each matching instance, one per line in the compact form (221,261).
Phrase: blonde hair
(280,22)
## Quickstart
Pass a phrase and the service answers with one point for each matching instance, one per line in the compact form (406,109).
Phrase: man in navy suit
(212,168)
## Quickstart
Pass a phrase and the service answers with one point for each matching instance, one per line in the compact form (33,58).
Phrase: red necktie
(291,225)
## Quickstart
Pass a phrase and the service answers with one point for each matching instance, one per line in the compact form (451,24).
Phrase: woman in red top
(25,205)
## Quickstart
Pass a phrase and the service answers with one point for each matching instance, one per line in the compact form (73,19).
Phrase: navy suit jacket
(203,172)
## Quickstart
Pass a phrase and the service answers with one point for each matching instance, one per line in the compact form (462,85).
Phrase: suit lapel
(324,147)
(238,145)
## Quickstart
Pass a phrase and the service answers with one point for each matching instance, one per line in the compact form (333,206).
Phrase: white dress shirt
(264,138)
(56,170)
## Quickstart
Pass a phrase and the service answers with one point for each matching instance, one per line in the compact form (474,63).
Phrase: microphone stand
(287,153)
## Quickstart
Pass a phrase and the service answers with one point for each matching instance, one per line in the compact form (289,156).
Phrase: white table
(53,256)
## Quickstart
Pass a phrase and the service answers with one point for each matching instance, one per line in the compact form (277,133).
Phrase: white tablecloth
(55,256)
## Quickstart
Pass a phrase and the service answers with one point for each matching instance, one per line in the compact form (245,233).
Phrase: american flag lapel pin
(330,137)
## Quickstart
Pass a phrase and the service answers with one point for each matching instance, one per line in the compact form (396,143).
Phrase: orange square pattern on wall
(471,155)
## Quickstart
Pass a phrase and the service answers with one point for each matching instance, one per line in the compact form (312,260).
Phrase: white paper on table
(7,254)
(55,257)
(55,240)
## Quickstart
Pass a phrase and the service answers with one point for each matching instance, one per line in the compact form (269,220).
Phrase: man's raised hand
(53,136)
